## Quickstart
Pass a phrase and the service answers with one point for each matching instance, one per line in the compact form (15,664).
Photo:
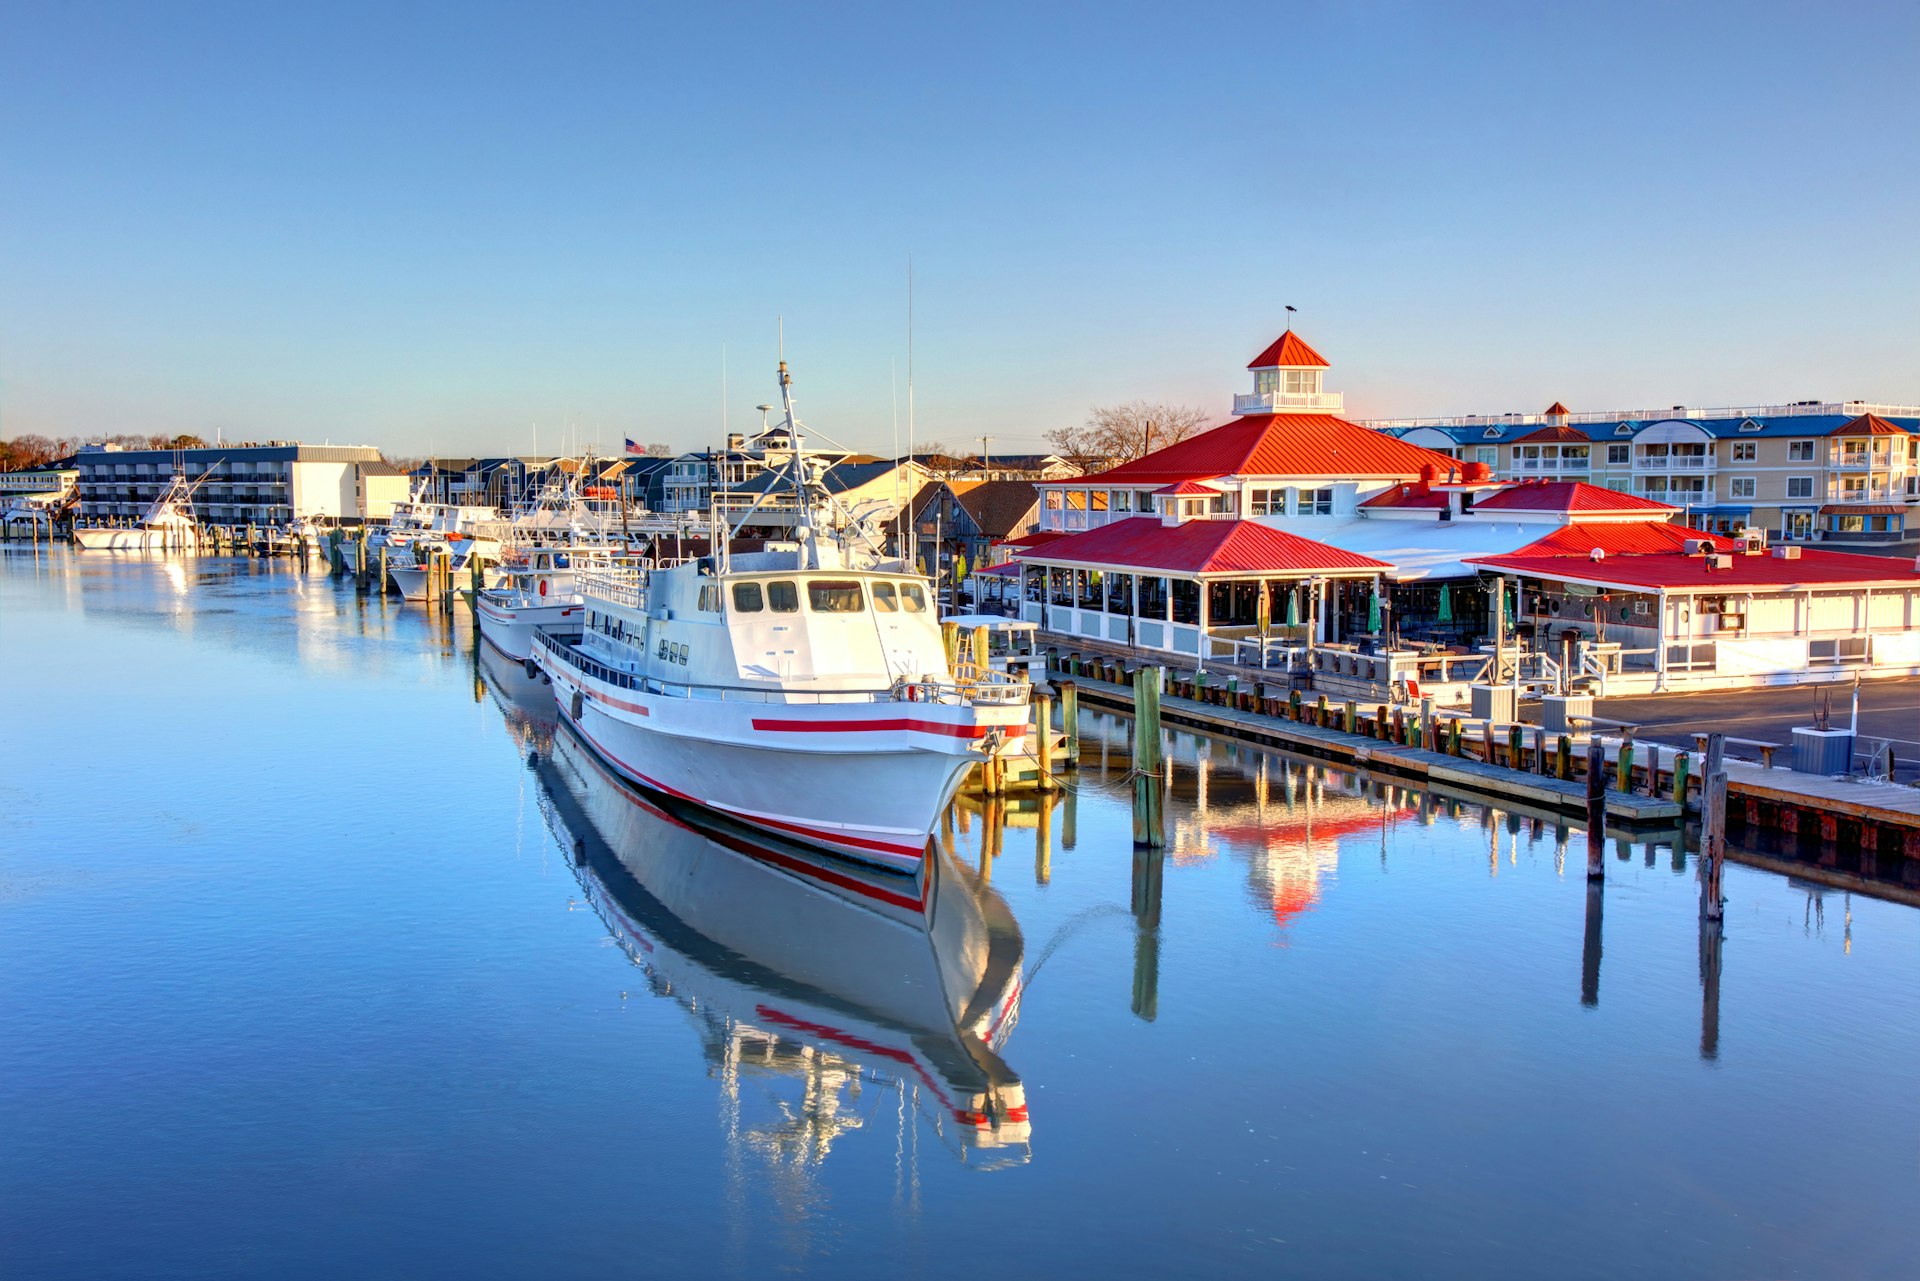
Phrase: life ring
(543,587)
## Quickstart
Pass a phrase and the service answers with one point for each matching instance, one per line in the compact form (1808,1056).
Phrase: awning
(1721,511)
(1009,570)
(1863,509)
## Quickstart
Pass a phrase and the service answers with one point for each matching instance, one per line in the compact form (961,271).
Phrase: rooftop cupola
(1286,380)
(1556,415)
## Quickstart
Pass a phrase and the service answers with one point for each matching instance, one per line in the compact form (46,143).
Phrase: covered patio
(1207,589)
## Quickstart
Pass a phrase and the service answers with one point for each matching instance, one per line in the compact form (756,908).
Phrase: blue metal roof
(1763,427)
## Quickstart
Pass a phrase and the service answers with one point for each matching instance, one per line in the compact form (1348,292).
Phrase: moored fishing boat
(803,688)
(537,591)
(167,523)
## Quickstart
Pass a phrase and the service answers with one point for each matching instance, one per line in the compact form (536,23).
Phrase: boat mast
(803,531)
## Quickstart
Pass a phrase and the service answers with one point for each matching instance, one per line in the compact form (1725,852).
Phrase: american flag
(636,449)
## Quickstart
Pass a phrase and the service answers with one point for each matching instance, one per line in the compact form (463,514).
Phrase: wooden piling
(1149,827)
(381,586)
(1713,828)
(1680,761)
(1623,768)
(1043,740)
(1596,809)
(1428,738)
(1069,718)
(1563,759)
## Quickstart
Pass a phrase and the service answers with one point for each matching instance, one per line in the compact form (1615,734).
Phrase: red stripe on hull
(886,723)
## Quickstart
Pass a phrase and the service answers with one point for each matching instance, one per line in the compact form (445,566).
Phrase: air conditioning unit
(1698,546)
(1719,561)
(1786,553)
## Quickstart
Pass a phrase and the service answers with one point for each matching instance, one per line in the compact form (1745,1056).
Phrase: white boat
(797,968)
(1011,642)
(537,591)
(803,688)
(167,523)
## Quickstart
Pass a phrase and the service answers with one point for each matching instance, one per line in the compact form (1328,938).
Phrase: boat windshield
(913,598)
(884,599)
(834,596)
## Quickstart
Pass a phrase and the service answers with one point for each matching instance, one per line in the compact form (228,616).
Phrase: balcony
(1691,464)
(1550,467)
(1282,402)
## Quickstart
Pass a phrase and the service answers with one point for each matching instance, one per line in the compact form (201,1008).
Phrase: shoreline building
(1845,473)
(1290,533)
(240,485)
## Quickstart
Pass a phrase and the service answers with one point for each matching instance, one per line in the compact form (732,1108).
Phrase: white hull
(130,540)
(510,629)
(867,780)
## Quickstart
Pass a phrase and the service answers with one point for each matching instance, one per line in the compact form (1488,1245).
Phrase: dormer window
(1624,429)
(1749,425)
(1493,433)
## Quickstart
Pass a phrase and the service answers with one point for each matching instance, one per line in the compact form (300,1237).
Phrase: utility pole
(985,463)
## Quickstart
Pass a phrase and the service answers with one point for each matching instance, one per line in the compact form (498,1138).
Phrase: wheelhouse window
(885,601)
(747,598)
(834,596)
(783,597)
(913,598)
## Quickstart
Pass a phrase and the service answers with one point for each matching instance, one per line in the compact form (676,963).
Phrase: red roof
(1275,445)
(1559,434)
(1189,489)
(1036,538)
(1863,509)
(1633,538)
(1565,496)
(1288,350)
(1674,571)
(1557,408)
(1869,425)
(1202,547)
(1409,496)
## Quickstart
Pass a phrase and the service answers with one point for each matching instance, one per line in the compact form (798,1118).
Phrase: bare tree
(1115,434)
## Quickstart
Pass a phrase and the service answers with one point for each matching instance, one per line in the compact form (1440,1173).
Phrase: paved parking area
(1889,712)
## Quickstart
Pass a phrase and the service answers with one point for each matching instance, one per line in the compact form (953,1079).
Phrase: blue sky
(436,226)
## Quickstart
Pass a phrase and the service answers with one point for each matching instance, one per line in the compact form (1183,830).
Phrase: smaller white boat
(537,591)
(167,523)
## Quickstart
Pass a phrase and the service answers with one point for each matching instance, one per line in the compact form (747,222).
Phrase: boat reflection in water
(526,702)
(795,964)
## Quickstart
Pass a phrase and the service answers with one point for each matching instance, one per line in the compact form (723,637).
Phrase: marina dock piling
(1149,829)
(1713,828)
(1596,809)
(1069,718)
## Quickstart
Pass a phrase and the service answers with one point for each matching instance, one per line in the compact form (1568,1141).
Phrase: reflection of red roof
(1202,547)
(1869,425)
(1558,434)
(1636,538)
(1275,445)
(1565,496)
(1670,570)
(1287,350)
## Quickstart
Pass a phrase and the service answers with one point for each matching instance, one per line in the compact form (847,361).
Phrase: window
(1123,500)
(1488,454)
(1749,425)
(1054,500)
(1798,524)
(1266,502)
(1089,583)
(1574,457)
(1745,451)
(885,601)
(1076,500)
(1186,601)
(1493,433)
(1799,451)
(1060,586)
(1153,598)
(1742,487)
(1097,500)
(1302,382)
(833,596)
(1619,455)
(1316,502)
(913,598)
(709,598)
(1266,382)
(1799,487)
(1119,593)
(782,598)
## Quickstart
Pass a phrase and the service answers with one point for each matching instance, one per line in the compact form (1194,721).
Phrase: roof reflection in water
(829,1000)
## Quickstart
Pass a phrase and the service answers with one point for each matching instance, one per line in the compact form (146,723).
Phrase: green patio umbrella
(1373,612)
(1446,605)
(1293,607)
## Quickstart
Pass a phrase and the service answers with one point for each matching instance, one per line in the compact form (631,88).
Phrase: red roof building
(1289,351)
(1677,572)
(1624,538)
(1573,498)
(1203,549)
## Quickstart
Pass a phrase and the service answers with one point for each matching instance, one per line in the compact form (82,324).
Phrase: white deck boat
(803,688)
(537,591)
(167,523)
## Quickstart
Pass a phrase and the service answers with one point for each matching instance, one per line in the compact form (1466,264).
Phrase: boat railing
(970,684)
(617,586)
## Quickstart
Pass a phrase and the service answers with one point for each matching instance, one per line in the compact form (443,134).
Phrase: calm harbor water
(321,955)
